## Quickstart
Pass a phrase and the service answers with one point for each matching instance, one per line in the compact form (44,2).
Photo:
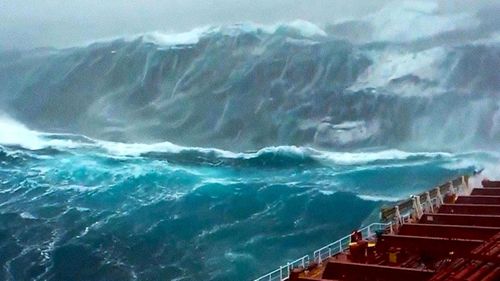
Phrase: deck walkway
(456,239)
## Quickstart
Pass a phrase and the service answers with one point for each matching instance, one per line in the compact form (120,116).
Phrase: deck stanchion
(398,216)
(439,197)
(420,212)
(451,188)
(415,207)
(465,184)
(429,201)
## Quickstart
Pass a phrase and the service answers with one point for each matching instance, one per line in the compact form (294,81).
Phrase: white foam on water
(15,133)
(353,158)
(161,38)
(378,198)
(184,38)
(27,215)
(401,21)
(393,64)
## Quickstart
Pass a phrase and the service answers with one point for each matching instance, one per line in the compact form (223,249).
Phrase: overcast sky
(61,23)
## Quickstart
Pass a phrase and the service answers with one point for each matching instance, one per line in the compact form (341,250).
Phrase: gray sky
(60,23)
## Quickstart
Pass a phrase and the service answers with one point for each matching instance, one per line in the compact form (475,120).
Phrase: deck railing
(320,255)
(396,216)
(342,244)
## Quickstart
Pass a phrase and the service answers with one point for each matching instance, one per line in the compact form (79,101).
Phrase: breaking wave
(248,86)
(195,213)
(182,156)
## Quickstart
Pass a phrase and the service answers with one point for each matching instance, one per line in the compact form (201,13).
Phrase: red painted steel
(370,272)
(486,191)
(448,231)
(429,246)
(461,240)
(462,219)
(494,275)
(490,184)
(473,209)
(479,199)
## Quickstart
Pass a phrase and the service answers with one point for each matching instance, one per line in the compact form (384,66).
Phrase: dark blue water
(72,208)
(75,207)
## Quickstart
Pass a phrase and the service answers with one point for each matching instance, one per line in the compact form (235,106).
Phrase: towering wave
(249,86)
(110,164)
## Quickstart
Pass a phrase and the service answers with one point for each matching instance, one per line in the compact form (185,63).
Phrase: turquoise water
(73,208)
(387,110)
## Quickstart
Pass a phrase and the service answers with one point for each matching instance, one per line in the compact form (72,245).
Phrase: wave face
(112,177)
(121,211)
(248,86)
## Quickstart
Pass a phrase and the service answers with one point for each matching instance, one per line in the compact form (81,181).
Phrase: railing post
(419,207)
(288,269)
(398,215)
(415,207)
(465,184)
(439,197)
(429,201)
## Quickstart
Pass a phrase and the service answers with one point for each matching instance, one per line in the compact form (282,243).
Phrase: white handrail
(320,255)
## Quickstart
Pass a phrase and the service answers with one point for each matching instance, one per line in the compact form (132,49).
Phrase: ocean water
(74,208)
(221,153)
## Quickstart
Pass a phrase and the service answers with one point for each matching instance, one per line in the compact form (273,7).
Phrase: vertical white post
(419,206)
(415,207)
(451,188)
(439,197)
(429,201)
(465,184)
(398,216)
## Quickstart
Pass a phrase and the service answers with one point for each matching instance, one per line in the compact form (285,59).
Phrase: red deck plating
(459,240)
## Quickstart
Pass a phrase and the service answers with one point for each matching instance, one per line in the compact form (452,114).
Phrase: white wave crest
(378,198)
(183,38)
(304,28)
(15,133)
(356,158)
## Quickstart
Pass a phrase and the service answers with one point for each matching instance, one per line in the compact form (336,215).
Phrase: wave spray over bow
(213,154)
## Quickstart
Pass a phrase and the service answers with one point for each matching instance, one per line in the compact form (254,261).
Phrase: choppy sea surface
(75,208)
(367,112)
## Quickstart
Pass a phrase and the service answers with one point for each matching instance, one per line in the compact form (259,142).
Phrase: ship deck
(452,238)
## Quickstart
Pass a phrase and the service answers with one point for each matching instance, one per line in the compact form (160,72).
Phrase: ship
(448,233)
